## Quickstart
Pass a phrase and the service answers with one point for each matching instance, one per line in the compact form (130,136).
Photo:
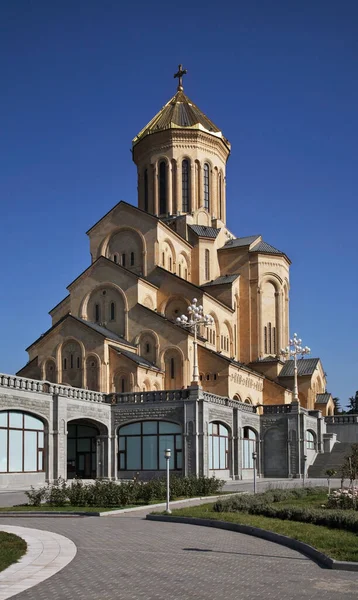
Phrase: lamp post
(193,322)
(167,454)
(295,349)
(304,470)
(254,457)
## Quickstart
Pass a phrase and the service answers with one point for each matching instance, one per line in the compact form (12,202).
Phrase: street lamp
(254,457)
(193,322)
(295,349)
(167,454)
(304,470)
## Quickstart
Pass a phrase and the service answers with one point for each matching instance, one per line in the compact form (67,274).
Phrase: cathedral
(118,375)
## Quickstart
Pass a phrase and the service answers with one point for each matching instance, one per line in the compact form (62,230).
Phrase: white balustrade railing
(46,387)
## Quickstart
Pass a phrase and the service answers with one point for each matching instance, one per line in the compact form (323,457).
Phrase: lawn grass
(336,543)
(12,548)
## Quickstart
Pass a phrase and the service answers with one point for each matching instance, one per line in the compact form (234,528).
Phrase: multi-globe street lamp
(193,322)
(295,349)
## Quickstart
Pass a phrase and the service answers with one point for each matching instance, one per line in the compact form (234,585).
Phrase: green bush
(36,497)
(56,493)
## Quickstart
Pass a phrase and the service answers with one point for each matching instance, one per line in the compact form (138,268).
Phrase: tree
(350,465)
(337,406)
(353,404)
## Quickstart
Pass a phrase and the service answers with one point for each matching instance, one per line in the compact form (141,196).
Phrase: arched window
(179,270)
(162,188)
(113,311)
(132,259)
(64,364)
(123,259)
(141,446)
(207,265)
(310,440)
(115,258)
(185,186)
(170,263)
(206,186)
(172,368)
(97,313)
(146,190)
(21,443)
(220,197)
(248,447)
(218,446)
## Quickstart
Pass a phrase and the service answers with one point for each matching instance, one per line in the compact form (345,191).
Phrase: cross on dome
(179,75)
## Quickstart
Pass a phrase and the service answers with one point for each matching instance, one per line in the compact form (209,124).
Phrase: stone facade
(115,333)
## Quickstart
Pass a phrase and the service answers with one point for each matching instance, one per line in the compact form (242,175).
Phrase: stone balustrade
(341,419)
(46,387)
(224,401)
(145,397)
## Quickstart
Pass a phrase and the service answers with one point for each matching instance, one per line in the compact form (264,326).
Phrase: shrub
(56,493)
(77,493)
(346,499)
(36,497)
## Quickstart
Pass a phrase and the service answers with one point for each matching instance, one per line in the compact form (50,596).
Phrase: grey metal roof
(268,359)
(243,241)
(264,247)
(323,398)
(305,366)
(104,331)
(143,362)
(222,280)
(180,112)
(202,231)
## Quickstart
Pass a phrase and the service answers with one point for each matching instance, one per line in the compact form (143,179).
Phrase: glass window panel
(41,460)
(15,419)
(121,443)
(30,451)
(132,429)
(166,442)
(15,451)
(178,442)
(133,453)
(179,460)
(3,419)
(33,423)
(81,462)
(86,431)
(222,453)
(71,430)
(165,427)
(83,445)
(71,449)
(150,426)
(216,453)
(150,457)
(41,439)
(3,450)
(210,428)
(93,462)
(223,430)
(252,435)
(122,464)
(210,452)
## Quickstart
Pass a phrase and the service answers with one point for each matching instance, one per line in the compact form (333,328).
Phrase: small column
(169,189)
(155,189)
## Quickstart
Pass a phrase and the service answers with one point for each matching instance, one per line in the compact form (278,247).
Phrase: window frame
(40,449)
(176,451)
(216,435)
(206,186)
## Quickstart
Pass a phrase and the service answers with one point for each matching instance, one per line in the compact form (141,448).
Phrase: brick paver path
(128,558)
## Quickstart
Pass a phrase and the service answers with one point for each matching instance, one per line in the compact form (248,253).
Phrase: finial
(179,75)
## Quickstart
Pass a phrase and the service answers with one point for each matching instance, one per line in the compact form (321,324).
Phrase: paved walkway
(128,558)
(47,553)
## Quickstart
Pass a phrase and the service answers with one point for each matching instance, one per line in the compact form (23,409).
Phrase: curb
(322,559)
(108,513)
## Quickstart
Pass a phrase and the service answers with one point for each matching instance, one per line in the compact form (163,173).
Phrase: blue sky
(80,78)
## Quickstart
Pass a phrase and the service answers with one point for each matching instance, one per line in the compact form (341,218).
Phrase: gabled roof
(267,359)
(265,248)
(139,360)
(243,241)
(180,113)
(203,231)
(222,280)
(99,329)
(233,362)
(305,366)
(323,398)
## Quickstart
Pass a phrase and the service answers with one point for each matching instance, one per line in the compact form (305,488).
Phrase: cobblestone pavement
(128,558)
